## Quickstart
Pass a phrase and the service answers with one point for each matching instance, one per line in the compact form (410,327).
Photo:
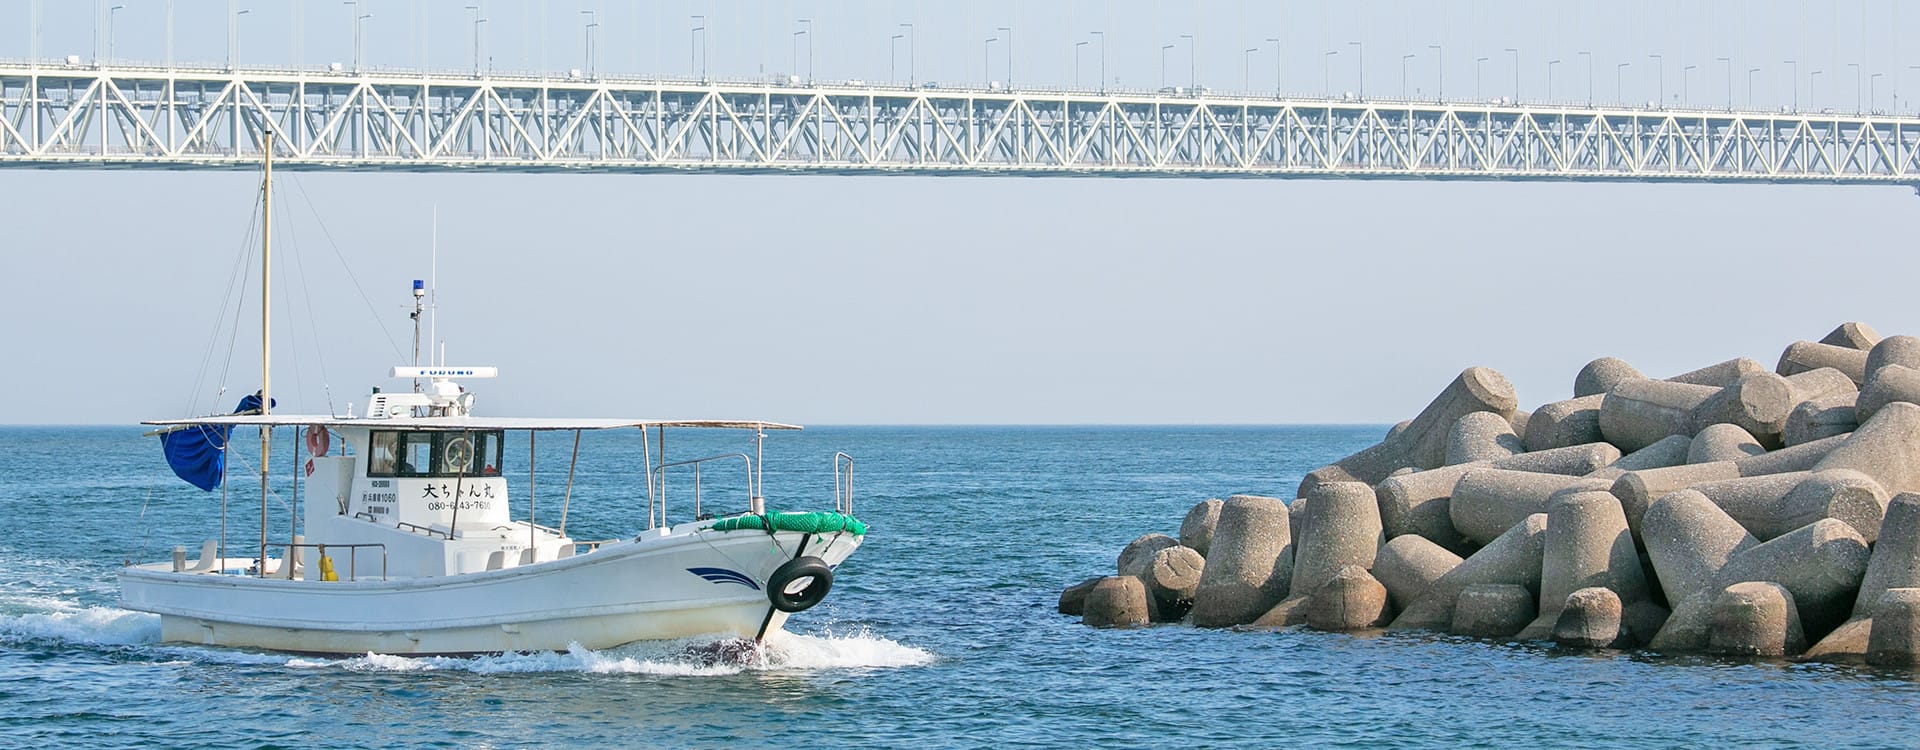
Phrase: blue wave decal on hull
(722,575)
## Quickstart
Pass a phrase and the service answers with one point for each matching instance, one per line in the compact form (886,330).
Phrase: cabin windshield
(401,453)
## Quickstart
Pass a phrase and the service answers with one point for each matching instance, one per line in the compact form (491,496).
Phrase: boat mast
(266,340)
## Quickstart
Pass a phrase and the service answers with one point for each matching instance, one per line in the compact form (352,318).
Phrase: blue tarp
(198,453)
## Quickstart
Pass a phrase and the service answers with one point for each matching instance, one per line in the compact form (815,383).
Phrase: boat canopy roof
(463,423)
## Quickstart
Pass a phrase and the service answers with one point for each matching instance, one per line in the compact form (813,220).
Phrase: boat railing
(353,555)
(428,530)
(696,463)
(843,483)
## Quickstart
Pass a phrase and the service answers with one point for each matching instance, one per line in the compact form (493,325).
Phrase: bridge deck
(88,117)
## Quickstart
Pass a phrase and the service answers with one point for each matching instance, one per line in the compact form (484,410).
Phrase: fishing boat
(401,541)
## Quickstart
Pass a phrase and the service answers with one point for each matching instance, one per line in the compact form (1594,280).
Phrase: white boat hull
(660,587)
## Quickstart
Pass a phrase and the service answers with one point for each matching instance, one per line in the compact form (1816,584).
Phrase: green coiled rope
(810,523)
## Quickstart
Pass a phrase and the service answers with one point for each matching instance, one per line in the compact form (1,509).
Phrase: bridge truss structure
(84,116)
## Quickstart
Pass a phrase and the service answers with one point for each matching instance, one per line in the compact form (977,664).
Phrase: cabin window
(435,454)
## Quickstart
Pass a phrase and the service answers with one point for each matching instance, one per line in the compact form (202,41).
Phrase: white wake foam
(789,652)
(89,625)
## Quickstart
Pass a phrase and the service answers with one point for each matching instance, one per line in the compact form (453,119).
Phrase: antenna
(433,276)
(419,298)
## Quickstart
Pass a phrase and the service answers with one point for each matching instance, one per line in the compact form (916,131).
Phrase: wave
(101,626)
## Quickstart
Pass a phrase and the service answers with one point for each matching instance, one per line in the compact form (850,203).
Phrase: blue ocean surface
(940,632)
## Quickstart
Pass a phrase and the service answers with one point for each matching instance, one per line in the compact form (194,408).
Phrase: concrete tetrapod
(1893,350)
(1481,436)
(1519,424)
(1601,375)
(1117,602)
(1639,413)
(1689,540)
(1408,565)
(1821,418)
(1887,385)
(1722,442)
(1886,448)
(1513,558)
(1894,640)
(1572,460)
(1790,459)
(1756,618)
(1350,600)
(1759,404)
(1844,494)
(1563,423)
(1491,610)
(1638,490)
(1423,443)
(1341,527)
(1073,600)
(1802,457)
(1418,503)
(1755,502)
(1139,553)
(1853,335)
(1587,545)
(1589,618)
(1720,374)
(1196,530)
(1171,578)
(1250,564)
(1487,502)
(1895,563)
(1670,451)
(1802,356)
(1820,564)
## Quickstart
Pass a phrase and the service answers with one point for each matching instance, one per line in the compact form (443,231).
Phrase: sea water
(940,632)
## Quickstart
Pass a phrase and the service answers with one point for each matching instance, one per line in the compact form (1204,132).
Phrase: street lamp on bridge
(1516,73)
(1479,63)
(1589,56)
(1403,74)
(1163,64)
(1246,69)
(1326,64)
(1619,71)
(893,55)
(1550,64)
(1193,65)
(111,12)
(986,61)
(1009,30)
(1813,97)
(1076,61)
(1103,59)
(808,33)
(910,53)
(1686,84)
(1750,72)
(1360,52)
(231,64)
(592,23)
(1276,65)
(700,30)
(1663,78)
(1440,78)
(1729,63)
(477,20)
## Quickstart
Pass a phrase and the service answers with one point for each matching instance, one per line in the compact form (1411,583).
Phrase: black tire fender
(812,574)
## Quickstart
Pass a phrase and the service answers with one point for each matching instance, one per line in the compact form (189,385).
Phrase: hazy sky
(962,300)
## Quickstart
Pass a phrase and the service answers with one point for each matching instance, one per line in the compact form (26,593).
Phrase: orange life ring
(317,440)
